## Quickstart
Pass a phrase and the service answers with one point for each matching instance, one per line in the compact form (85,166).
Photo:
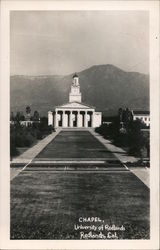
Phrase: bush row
(21,136)
(132,138)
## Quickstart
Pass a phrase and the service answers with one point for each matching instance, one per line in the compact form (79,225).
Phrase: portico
(74,114)
(73,118)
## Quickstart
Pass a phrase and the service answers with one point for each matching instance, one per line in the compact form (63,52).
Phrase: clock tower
(75,94)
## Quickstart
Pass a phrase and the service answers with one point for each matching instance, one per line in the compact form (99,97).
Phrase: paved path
(121,154)
(118,152)
(142,173)
(14,172)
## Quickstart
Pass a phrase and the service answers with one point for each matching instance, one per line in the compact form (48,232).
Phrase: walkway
(141,173)
(30,154)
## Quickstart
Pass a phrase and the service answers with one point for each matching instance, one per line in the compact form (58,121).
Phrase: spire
(75,80)
(75,75)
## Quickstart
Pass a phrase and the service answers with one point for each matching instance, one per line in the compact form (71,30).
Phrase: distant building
(142,115)
(75,113)
(26,123)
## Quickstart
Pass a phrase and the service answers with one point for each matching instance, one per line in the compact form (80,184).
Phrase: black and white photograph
(80,125)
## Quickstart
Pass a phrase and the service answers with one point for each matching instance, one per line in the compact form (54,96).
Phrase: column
(85,120)
(78,119)
(92,120)
(50,118)
(83,124)
(63,119)
(70,120)
(55,119)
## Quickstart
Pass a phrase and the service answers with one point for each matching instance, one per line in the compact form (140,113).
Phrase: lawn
(47,205)
(74,144)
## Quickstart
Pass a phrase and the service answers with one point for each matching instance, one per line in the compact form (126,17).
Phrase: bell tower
(75,94)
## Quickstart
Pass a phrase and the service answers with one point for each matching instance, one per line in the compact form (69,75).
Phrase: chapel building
(74,113)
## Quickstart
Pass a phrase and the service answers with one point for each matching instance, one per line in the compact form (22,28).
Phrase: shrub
(132,138)
(13,149)
(39,135)
(28,139)
(21,136)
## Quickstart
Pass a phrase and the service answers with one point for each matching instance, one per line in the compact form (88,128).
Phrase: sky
(63,42)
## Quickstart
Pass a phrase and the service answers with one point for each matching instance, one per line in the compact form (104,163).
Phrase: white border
(153,8)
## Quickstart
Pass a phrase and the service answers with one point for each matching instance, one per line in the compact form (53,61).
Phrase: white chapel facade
(75,113)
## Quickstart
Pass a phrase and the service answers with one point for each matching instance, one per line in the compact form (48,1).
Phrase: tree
(120,114)
(128,133)
(36,116)
(127,118)
(12,118)
(137,141)
(44,120)
(28,110)
(19,117)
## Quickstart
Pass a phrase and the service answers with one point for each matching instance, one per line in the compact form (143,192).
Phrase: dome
(75,75)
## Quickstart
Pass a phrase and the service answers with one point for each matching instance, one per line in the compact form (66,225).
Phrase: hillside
(104,86)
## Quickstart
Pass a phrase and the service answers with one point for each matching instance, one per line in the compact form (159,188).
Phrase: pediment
(75,105)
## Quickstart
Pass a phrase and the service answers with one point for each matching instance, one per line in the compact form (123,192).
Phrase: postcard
(80,124)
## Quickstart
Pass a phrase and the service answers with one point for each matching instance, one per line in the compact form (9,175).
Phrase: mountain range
(105,87)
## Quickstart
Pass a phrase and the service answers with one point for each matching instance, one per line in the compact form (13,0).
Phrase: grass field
(46,205)
(74,144)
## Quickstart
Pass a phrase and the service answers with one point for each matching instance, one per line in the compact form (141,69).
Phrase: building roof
(141,112)
(77,105)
